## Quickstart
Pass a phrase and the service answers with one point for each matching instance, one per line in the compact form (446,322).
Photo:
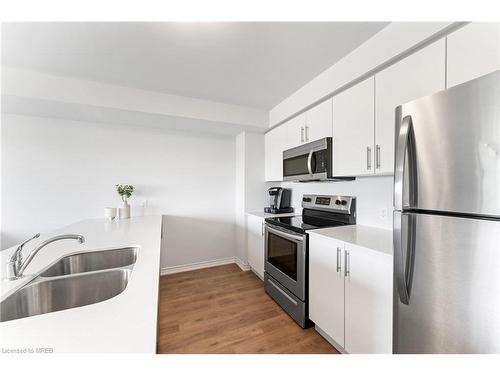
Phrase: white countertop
(265,214)
(369,237)
(124,323)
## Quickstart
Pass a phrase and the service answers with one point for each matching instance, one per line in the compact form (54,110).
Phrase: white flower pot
(110,213)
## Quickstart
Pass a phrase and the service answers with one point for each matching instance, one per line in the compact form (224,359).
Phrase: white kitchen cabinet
(319,121)
(326,286)
(472,51)
(275,143)
(368,301)
(314,124)
(420,74)
(255,244)
(350,288)
(353,130)
(295,131)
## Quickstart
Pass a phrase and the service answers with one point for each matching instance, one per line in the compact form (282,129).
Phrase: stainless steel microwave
(312,161)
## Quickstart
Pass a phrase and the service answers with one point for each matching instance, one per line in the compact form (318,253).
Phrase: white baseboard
(205,264)
(244,267)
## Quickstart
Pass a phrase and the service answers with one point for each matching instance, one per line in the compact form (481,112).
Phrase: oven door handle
(284,234)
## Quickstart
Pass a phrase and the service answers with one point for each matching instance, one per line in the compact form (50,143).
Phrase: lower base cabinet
(368,301)
(350,294)
(326,286)
(255,244)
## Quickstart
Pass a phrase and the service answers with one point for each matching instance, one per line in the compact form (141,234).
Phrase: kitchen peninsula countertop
(124,323)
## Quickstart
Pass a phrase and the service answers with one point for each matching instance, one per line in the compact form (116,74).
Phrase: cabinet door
(368,301)
(326,285)
(353,122)
(473,51)
(275,143)
(255,244)
(420,74)
(319,121)
(295,131)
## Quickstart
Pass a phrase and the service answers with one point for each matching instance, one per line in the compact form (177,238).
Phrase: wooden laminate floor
(225,310)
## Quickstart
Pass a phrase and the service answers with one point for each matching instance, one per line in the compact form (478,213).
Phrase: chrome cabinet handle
(307,133)
(377,156)
(262,229)
(302,134)
(347,266)
(339,251)
(368,157)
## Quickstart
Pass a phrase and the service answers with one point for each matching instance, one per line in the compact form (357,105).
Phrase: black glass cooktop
(302,223)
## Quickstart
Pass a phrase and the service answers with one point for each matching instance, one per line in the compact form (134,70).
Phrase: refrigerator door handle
(404,253)
(405,142)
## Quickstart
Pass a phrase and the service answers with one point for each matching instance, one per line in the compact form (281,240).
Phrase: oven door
(285,258)
(312,161)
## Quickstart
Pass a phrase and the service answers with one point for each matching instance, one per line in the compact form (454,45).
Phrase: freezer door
(452,279)
(447,152)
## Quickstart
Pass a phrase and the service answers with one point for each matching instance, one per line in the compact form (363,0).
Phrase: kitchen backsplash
(373,196)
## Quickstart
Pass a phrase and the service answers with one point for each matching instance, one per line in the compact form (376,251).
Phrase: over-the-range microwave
(312,161)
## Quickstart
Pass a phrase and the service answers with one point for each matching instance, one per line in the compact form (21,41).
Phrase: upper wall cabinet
(319,121)
(420,74)
(295,131)
(353,130)
(310,126)
(473,51)
(275,143)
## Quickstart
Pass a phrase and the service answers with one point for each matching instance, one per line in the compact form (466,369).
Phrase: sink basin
(92,261)
(48,295)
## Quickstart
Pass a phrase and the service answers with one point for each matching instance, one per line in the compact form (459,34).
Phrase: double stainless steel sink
(73,281)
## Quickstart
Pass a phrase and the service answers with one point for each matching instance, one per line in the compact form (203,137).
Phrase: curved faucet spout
(19,271)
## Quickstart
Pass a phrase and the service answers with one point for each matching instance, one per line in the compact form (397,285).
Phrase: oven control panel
(338,203)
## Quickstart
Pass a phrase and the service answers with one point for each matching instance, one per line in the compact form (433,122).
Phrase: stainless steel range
(286,249)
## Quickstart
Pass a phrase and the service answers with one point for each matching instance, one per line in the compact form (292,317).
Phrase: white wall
(250,185)
(255,186)
(373,197)
(241,234)
(55,172)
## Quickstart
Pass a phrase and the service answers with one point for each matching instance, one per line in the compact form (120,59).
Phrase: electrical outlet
(144,203)
(383,213)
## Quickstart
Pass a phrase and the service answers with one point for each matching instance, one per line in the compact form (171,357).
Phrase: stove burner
(302,223)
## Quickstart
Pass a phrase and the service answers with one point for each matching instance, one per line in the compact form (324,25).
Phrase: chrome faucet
(16,265)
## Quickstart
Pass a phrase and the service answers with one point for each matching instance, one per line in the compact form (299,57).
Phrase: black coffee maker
(279,201)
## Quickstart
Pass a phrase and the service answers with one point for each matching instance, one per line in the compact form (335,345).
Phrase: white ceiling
(251,64)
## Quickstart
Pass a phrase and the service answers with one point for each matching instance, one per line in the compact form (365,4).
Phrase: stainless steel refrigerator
(447,221)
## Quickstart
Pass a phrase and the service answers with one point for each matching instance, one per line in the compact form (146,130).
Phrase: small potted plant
(125,192)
